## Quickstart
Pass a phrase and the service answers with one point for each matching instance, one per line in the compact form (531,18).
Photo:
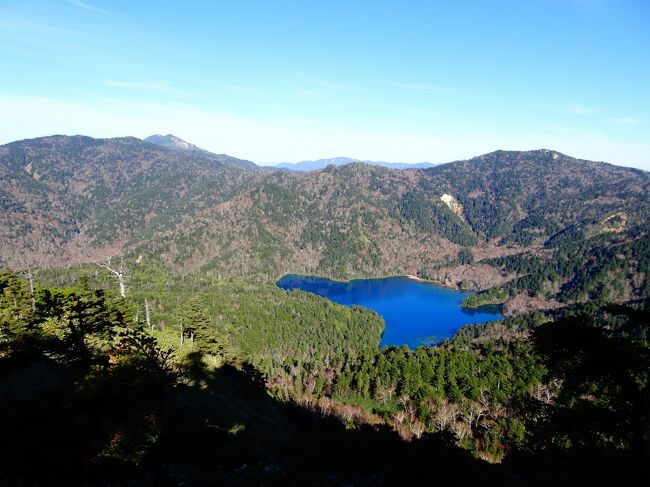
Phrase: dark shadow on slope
(597,429)
(222,428)
(233,432)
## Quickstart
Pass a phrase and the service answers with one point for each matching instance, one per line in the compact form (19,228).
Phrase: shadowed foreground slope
(225,429)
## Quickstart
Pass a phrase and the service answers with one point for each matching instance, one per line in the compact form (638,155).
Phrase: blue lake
(415,312)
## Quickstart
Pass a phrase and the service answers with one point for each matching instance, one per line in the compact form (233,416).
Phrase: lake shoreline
(414,314)
(387,276)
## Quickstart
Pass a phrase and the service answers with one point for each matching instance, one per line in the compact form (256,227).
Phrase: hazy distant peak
(342,161)
(170,142)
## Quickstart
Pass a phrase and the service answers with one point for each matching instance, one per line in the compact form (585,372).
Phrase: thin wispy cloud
(20,32)
(86,6)
(625,120)
(147,85)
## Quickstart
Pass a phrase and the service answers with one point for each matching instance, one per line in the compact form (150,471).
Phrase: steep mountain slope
(451,223)
(339,222)
(342,161)
(580,227)
(172,142)
(533,221)
(62,197)
(529,196)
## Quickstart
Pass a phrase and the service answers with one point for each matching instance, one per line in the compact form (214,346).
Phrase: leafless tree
(385,394)
(473,411)
(29,275)
(546,393)
(147,314)
(417,429)
(326,405)
(400,417)
(461,430)
(120,272)
(445,415)
(410,409)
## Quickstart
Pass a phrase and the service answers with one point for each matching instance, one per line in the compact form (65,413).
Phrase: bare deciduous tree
(385,394)
(30,279)
(400,417)
(417,429)
(546,393)
(147,314)
(461,430)
(120,272)
(473,411)
(445,414)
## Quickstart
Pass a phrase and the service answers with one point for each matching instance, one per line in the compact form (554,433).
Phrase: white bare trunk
(30,278)
(120,278)
(147,314)
(182,336)
(120,273)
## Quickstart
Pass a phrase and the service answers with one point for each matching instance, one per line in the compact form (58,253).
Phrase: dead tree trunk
(120,273)
(30,279)
(147,314)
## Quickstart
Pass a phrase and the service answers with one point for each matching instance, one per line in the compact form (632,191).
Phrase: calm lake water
(416,313)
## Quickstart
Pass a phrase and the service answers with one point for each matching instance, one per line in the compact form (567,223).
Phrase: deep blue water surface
(415,312)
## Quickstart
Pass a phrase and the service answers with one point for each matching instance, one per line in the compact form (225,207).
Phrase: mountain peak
(170,142)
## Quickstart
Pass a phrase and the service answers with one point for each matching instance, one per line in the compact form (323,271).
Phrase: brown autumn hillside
(477,224)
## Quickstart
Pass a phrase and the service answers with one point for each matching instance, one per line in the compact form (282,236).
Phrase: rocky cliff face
(453,205)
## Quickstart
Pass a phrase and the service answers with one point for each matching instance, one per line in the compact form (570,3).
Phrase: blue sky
(279,81)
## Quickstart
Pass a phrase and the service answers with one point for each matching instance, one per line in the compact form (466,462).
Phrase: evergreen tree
(196,322)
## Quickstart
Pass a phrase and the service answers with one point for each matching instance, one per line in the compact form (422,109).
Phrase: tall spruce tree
(197,322)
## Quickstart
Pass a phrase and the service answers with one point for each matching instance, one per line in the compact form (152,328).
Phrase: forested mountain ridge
(499,219)
(528,196)
(172,142)
(510,217)
(63,197)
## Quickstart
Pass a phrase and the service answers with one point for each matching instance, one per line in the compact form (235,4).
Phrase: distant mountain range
(170,141)
(342,161)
